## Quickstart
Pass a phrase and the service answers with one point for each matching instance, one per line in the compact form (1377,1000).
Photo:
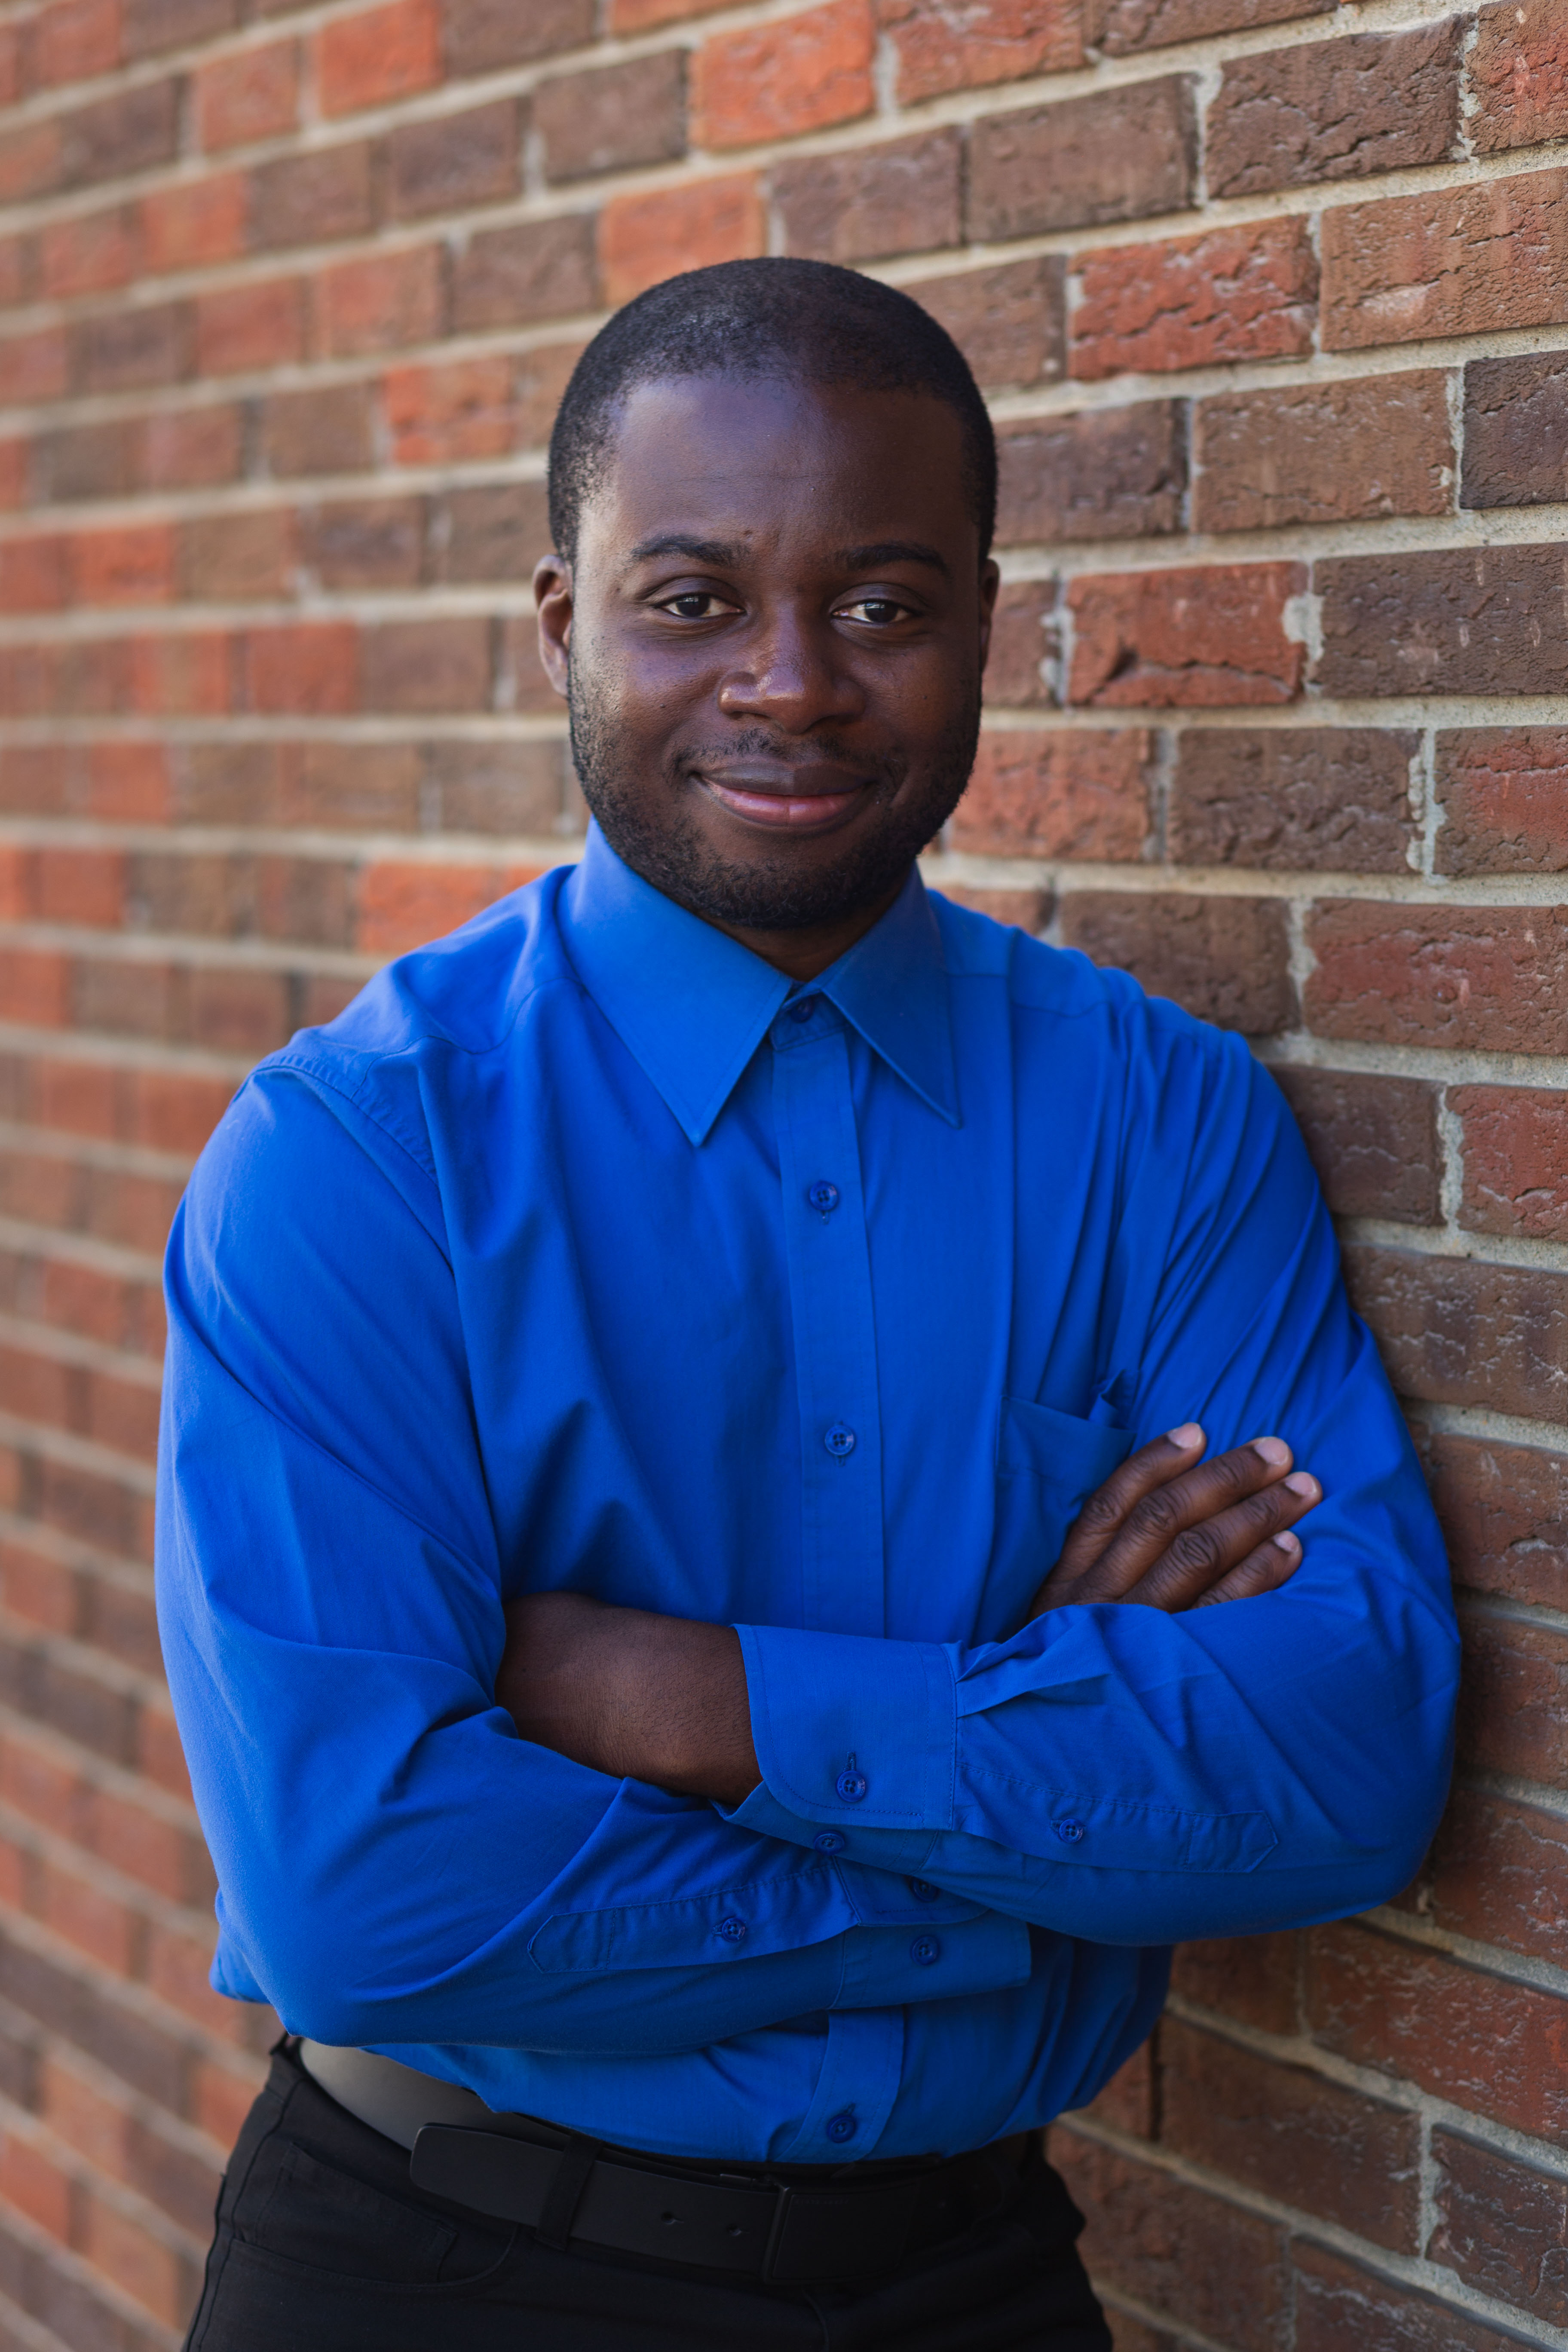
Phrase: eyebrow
(724,553)
(721,553)
(892,550)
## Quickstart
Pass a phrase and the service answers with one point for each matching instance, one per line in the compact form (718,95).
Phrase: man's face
(772,640)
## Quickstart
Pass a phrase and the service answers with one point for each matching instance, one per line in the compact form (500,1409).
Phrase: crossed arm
(664,1700)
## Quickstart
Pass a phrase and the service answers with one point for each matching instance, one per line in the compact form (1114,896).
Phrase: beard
(659,838)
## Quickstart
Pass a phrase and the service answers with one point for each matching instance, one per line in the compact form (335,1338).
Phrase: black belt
(833,2223)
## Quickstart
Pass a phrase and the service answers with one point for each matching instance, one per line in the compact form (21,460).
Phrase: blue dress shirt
(582,1253)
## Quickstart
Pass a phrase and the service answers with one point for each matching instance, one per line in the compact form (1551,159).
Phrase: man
(695,1781)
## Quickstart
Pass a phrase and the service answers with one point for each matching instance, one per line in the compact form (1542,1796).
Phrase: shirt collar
(692,1005)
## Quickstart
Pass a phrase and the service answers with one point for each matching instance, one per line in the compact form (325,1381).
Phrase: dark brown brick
(1516,431)
(1249,1978)
(1009,320)
(1499,1873)
(365,542)
(124,349)
(1490,978)
(1454,1331)
(1504,794)
(86,461)
(455,161)
(479,36)
(506,787)
(1106,473)
(1335,109)
(236,558)
(131,130)
(150,27)
(427,665)
(192,448)
(1292,2134)
(1226,960)
(1118,155)
(1504,1512)
(1463,621)
(1334,798)
(1120,27)
(539,269)
(905,197)
(1373,1142)
(1518,71)
(322,195)
(322,431)
(1512,1716)
(1515,1147)
(1070,792)
(1023,638)
(1338,2306)
(1502,2225)
(495,531)
(1324,453)
(348,787)
(613,118)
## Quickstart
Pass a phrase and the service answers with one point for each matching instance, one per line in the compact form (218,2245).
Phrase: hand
(1169,1531)
(627,1692)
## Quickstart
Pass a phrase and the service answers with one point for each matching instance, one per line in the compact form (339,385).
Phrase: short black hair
(798,321)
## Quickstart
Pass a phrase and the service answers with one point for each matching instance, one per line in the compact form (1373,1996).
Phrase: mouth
(785,799)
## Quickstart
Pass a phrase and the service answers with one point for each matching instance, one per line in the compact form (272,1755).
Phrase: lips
(783,799)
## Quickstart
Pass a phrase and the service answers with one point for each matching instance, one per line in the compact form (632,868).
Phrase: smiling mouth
(775,805)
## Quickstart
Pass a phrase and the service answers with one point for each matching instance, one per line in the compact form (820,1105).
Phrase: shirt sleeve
(1128,1776)
(396,1864)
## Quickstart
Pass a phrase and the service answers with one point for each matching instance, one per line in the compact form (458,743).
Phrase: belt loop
(565,2193)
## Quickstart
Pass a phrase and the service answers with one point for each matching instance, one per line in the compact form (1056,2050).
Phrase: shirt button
(733,1930)
(851,1787)
(830,1842)
(841,2127)
(822,1196)
(803,1008)
(926,1950)
(924,1892)
(1069,1833)
(840,1441)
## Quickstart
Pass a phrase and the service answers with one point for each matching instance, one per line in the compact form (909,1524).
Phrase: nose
(792,676)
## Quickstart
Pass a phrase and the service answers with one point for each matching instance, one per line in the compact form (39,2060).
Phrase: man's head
(772,485)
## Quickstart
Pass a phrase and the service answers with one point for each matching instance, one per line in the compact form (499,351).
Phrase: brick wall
(1273,300)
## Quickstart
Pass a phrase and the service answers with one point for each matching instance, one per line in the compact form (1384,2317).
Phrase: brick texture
(1274,325)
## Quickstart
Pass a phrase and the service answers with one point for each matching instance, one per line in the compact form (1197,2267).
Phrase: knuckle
(1198,1547)
(1156,1514)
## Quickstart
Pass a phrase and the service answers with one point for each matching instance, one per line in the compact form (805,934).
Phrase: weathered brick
(1455,621)
(133,564)
(903,197)
(775,80)
(71,40)
(1024,637)
(427,665)
(1512,1715)
(453,161)
(646,238)
(1118,155)
(1335,109)
(326,430)
(1516,432)
(1241,292)
(194,223)
(1331,451)
(315,197)
(1226,959)
(403,905)
(1484,2042)
(1518,72)
(613,118)
(1499,1871)
(365,542)
(243,329)
(537,269)
(383,300)
(380,54)
(131,130)
(1515,1160)
(1319,797)
(86,461)
(506,787)
(1106,473)
(1129,2102)
(495,531)
(151,26)
(479,36)
(1027,910)
(125,348)
(1338,2304)
(1373,1142)
(1458,261)
(1504,1512)
(1078,794)
(1251,1978)
(192,448)
(1455,1330)
(34,367)
(308,666)
(91,254)
(1502,2225)
(248,95)
(1490,978)
(1122,28)
(237,559)
(1209,638)
(939,48)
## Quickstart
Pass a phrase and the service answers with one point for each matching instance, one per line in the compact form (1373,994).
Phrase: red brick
(380,54)
(1499,1874)
(1284,798)
(1494,979)
(1512,1716)
(537,269)
(777,81)
(427,665)
(1459,261)
(1226,959)
(1502,2225)
(134,129)
(13,474)
(1455,1330)
(124,349)
(184,676)
(1519,76)
(1009,320)
(503,787)
(1081,794)
(1516,431)
(1024,637)
(35,2186)
(243,329)
(1335,109)
(1241,292)
(1515,1160)
(153,25)
(321,194)
(401,905)
(143,2264)
(382,301)
(452,410)
(34,367)
(365,542)
(11,74)
(1129,2102)
(192,448)
(1249,1978)
(1324,453)
(939,48)
(91,254)
(453,161)
(34,574)
(1186,639)
(1118,155)
(1027,910)
(236,558)
(131,565)
(494,531)
(327,430)
(478,36)
(1107,473)
(1482,621)
(1338,2306)
(904,197)
(73,40)
(646,238)
(87,461)
(1373,1142)
(1483,2042)
(195,223)
(310,668)
(613,118)
(248,95)
(30,161)
(1122,28)
(1504,1511)
(1175,2247)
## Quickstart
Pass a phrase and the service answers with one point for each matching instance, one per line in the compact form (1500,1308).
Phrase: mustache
(756,743)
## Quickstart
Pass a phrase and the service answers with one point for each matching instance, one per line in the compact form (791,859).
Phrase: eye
(876,612)
(697,604)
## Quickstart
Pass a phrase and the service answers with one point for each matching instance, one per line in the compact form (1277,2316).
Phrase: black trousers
(323,2244)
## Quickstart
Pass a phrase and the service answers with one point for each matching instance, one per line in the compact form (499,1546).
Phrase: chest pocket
(1048,1465)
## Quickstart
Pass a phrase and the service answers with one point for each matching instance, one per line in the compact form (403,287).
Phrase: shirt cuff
(853,1732)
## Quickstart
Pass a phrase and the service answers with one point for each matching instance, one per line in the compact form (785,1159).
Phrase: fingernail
(1287,1543)
(1301,1482)
(1186,1436)
(1272,1450)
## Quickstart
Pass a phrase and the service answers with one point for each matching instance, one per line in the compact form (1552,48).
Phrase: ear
(552,595)
(990,581)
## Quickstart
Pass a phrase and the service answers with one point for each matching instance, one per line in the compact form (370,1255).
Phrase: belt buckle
(784,2198)
(868,2228)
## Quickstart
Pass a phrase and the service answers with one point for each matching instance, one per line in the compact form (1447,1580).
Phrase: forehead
(765,458)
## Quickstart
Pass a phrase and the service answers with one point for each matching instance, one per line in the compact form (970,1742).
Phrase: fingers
(1238,1543)
(1183,1503)
(1273,1563)
(1105,1514)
